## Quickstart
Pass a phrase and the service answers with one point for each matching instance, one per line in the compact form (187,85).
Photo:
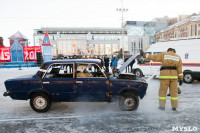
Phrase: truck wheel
(188,77)
(128,102)
(138,73)
(40,102)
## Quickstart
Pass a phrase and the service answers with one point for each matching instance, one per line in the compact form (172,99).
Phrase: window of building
(96,49)
(74,47)
(108,49)
(135,50)
(115,47)
(193,30)
(101,49)
(198,29)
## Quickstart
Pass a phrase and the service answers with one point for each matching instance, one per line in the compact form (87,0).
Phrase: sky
(26,15)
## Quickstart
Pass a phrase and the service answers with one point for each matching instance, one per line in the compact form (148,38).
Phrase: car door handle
(79,82)
(45,82)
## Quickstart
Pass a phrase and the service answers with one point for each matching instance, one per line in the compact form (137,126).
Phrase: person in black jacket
(131,65)
(106,63)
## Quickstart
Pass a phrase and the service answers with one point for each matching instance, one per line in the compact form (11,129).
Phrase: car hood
(128,81)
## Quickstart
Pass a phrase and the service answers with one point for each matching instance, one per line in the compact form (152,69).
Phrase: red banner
(5,54)
(30,53)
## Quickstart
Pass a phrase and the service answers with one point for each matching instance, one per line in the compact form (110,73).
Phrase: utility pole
(122,10)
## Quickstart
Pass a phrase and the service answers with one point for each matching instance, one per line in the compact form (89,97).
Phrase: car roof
(74,60)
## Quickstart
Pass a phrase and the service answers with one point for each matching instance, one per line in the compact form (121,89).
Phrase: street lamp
(122,10)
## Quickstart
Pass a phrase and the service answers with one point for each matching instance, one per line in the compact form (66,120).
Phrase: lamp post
(122,10)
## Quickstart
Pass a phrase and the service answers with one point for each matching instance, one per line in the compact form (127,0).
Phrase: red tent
(18,36)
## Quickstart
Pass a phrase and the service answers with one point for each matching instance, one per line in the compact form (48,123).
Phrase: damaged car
(76,80)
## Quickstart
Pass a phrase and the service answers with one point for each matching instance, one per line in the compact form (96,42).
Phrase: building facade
(90,41)
(187,28)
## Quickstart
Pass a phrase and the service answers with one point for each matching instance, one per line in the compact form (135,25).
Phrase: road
(17,116)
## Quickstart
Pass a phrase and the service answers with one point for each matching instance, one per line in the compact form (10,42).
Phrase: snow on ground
(17,116)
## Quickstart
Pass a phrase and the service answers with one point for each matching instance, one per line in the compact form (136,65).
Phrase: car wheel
(138,73)
(40,102)
(128,102)
(188,77)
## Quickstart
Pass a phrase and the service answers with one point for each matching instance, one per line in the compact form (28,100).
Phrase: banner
(5,54)
(30,53)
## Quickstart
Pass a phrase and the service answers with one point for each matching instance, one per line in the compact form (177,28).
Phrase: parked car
(71,81)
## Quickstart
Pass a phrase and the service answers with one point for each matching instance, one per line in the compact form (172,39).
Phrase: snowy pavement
(17,116)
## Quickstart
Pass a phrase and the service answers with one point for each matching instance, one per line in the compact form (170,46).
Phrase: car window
(89,71)
(142,60)
(60,71)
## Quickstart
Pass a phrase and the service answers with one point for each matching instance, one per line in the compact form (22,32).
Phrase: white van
(188,50)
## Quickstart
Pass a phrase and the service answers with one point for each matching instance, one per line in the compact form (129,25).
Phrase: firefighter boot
(174,109)
(161,108)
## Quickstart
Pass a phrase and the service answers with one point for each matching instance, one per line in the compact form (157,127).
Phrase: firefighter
(170,73)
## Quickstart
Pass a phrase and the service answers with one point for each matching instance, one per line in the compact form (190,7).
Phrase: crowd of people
(105,61)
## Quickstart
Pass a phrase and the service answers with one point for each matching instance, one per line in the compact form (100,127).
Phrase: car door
(59,81)
(91,86)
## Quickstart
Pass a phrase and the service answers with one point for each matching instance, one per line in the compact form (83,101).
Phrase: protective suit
(171,71)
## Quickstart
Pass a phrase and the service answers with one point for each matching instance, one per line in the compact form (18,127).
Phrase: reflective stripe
(162,98)
(168,77)
(169,57)
(147,55)
(174,98)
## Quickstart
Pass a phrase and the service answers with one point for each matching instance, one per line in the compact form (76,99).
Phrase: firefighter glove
(141,52)
(180,82)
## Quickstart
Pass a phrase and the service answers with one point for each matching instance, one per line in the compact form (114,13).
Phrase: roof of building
(18,35)
(79,30)
(191,19)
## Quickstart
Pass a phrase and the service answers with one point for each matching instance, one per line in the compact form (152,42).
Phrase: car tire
(138,73)
(40,102)
(188,77)
(128,101)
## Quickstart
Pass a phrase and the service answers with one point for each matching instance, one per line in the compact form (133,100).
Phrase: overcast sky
(26,15)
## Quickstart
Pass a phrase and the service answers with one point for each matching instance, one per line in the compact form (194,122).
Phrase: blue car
(76,80)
